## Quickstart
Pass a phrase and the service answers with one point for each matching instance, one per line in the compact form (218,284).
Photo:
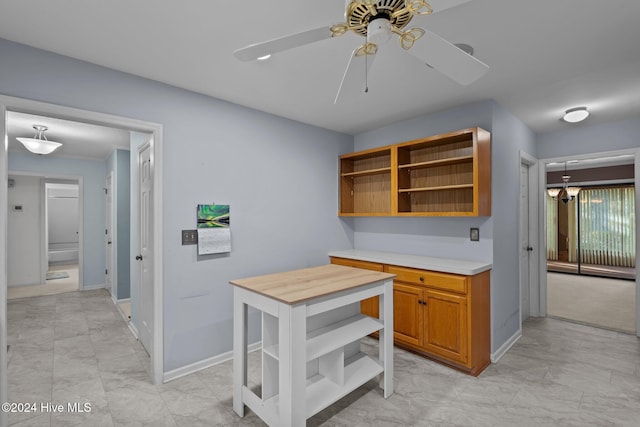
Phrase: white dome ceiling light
(39,143)
(575,115)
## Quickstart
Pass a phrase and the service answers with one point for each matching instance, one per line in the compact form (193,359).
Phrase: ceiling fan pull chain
(366,74)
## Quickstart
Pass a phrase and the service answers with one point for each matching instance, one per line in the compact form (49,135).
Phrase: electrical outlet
(189,237)
(474,234)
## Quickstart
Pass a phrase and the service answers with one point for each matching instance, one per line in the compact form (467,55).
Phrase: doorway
(32,107)
(591,241)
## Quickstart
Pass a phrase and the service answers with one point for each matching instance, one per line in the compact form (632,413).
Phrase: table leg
(292,325)
(240,330)
(386,338)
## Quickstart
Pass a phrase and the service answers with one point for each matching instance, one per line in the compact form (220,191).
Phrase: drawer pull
(422,279)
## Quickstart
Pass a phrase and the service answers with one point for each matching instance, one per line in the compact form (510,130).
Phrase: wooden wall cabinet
(443,316)
(442,175)
(365,183)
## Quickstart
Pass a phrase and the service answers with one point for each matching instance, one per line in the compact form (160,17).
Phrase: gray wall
(279,176)
(94,175)
(586,139)
(449,237)
(509,137)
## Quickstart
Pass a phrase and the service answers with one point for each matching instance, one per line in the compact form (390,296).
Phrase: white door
(145,254)
(109,282)
(525,245)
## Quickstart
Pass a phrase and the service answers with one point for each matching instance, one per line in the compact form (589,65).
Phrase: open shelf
(367,172)
(329,338)
(440,188)
(455,167)
(441,162)
(339,334)
(322,392)
(365,182)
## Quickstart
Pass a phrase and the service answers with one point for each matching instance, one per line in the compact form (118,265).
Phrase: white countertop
(444,265)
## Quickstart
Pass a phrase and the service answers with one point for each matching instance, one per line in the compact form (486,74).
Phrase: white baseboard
(204,364)
(93,287)
(497,355)
(120,301)
(133,329)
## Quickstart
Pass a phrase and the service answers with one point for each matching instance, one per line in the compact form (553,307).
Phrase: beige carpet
(608,303)
(51,287)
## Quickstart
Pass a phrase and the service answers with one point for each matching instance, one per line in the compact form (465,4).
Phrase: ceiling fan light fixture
(575,115)
(39,143)
(379,31)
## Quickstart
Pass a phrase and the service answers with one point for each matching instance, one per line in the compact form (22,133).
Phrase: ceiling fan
(377,21)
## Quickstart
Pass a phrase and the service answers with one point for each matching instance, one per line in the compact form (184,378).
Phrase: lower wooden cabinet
(443,316)
(408,315)
(369,306)
(445,332)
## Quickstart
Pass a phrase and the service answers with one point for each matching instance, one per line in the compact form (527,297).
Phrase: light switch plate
(474,234)
(189,237)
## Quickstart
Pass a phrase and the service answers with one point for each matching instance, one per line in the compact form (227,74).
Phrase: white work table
(443,265)
(311,327)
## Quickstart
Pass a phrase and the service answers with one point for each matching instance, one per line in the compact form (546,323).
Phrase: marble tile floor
(75,347)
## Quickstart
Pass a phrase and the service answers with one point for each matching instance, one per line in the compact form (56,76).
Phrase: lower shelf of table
(321,392)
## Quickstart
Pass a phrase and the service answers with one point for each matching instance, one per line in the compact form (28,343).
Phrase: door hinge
(106,231)
(106,272)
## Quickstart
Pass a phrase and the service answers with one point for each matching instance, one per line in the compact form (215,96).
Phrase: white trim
(4,396)
(120,301)
(534,241)
(133,329)
(94,287)
(205,363)
(497,355)
(70,113)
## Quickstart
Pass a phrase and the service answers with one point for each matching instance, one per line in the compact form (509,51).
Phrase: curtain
(607,226)
(552,228)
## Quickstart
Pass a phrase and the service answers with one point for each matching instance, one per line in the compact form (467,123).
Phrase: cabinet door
(446,325)
(368,306)
(407,314)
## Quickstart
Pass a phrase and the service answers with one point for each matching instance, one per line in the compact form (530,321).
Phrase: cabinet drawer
(449,282)
(366,265)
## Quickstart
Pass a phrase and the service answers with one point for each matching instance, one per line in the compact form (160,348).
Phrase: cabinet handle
(422,302)
(422,279)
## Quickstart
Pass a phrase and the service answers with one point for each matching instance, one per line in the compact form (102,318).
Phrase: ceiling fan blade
(439,5)
(355,74)
(257,50)
(450,60)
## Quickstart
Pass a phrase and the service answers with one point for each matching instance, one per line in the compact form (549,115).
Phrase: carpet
(52,275)
(597,301)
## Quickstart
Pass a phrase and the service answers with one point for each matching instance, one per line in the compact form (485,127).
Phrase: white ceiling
(545,56)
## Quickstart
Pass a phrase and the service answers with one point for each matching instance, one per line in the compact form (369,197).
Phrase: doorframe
(541,291)
(113,268)
(9,103)
(534,273)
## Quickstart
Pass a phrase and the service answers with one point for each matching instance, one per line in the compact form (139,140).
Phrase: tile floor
(76,348)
